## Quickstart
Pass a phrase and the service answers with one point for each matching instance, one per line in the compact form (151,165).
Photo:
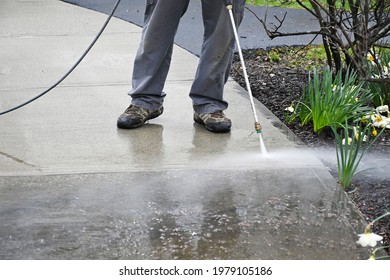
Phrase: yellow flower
(370,57)
(374,132)
(365,119)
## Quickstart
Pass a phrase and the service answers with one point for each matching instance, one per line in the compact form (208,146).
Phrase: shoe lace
(132,108)
(218,114)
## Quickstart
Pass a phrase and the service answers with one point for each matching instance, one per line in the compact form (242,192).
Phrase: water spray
(258,127)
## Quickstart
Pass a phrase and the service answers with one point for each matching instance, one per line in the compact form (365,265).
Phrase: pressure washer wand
(229,7)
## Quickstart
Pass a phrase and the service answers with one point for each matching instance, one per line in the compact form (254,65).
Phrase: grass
(312,56)
(277,3)
(282,3)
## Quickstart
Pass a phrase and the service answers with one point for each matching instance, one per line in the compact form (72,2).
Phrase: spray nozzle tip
(258,127)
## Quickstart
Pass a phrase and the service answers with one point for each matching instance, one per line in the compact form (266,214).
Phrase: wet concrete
(73,186)
(179,214)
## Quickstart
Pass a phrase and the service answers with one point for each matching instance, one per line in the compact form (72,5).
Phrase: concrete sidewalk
(73,186)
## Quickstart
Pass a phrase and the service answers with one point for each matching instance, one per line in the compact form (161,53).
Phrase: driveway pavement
(190,32)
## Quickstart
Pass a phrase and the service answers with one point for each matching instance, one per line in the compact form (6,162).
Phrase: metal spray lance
(229,6)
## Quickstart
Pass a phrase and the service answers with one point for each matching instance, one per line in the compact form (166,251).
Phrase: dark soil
(277,77)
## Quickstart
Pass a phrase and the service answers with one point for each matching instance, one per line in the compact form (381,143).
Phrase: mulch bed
(276,82)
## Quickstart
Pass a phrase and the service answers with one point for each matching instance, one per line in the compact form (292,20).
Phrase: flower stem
(368,228)
(373,253)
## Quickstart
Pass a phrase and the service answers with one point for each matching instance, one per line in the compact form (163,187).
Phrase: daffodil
(349,141)
(385,71)
(370,57)
(374,132)
(365,119)
(369,239)
(358,135)
(290,109)
(382,109)
(380,121)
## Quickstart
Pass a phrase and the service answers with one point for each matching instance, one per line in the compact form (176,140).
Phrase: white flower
(385,71)
(366,118)
(290,109)
(381,124)
(382,109)
(380,121)
(349,141)
(358,135)
(369,239)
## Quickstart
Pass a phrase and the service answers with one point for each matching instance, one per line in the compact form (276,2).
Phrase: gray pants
(154,55)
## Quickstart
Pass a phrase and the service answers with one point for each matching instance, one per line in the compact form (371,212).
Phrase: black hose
(72,68)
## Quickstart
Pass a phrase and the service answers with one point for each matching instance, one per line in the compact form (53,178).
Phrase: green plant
(328,101)
(274,57)
(352,143)
(312,56)
(279,3)
(315,55)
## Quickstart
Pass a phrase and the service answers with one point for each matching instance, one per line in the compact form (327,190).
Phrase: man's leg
(214,64)
(152,61)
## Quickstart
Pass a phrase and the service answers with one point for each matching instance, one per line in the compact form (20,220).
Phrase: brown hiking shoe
(214,122)
(135,116)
